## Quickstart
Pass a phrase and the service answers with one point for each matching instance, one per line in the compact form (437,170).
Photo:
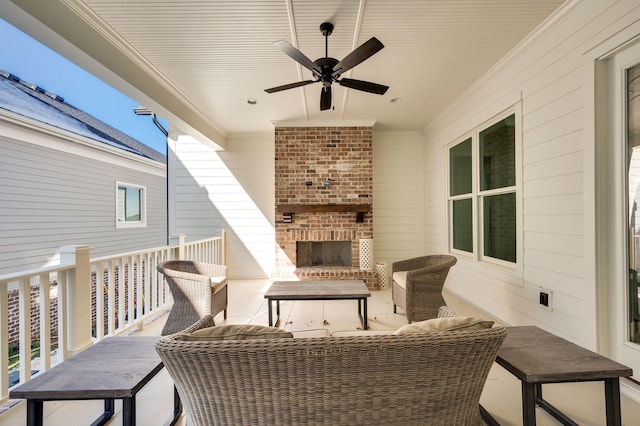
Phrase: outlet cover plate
(545,296)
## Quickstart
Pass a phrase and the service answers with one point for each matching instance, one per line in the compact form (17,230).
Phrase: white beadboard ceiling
(197,62)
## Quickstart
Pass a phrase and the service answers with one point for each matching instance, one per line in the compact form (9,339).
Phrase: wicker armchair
(417,285)
(411,379)
(198,290)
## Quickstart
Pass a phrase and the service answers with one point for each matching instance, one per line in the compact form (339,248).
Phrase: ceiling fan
(327,70)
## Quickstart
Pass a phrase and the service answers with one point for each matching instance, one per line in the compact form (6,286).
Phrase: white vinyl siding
(52,198)
(398,196)
(553,76)
(231,190)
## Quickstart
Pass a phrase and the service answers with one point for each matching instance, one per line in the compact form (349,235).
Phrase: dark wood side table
(114,368)
(536,357)
(318,290)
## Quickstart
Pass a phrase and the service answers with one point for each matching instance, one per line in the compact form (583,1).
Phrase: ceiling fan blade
(361,54)
(297,56)
(365,86)
(325,98)
(289,86)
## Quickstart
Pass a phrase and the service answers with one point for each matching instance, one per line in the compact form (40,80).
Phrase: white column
(178,240)
(78,303)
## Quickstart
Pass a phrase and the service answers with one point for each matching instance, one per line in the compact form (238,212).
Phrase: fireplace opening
(323,253)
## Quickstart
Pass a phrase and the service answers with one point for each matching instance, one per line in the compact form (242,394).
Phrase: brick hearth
(323,166)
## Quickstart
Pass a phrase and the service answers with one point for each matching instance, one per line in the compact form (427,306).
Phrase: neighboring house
(67,178)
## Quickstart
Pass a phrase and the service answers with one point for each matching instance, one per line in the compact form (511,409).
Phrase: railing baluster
(153,277)
(100,294)
(62,316)
(24,291)
(111,298)
(121,293)
(148,273)
(45,321)
(139,295)
(130,286)
(4,341)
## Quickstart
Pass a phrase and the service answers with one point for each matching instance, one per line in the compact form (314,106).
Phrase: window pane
(122,193)
(132,205)
(463,225)
(129,202)
(460,170)
(499,227)
(497,155)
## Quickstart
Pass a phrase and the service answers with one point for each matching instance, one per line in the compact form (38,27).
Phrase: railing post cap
(74,248)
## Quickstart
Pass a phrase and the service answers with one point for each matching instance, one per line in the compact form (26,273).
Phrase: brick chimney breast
(322,167)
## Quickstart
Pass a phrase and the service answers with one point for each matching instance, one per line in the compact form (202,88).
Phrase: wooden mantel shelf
(359,209)
(323,208)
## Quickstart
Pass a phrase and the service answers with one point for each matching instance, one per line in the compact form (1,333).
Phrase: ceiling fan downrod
(326,28)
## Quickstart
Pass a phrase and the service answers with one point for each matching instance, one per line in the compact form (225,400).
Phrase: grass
(14,353)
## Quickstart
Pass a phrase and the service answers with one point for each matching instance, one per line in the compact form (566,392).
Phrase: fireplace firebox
(323,253)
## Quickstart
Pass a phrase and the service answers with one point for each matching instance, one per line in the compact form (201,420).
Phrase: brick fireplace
(323,193)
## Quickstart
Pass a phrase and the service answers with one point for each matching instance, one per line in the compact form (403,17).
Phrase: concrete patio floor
(583,402)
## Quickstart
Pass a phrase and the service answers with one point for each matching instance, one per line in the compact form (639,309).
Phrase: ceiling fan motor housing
(326,28)
(326,65)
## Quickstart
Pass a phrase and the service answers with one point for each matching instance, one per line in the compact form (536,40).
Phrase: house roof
(36,103)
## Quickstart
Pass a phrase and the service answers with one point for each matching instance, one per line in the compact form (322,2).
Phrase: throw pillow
(235,332)
(445,324)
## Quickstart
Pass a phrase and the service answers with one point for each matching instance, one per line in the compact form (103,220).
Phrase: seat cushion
(400,278)
(218,283)
(318,332)
(445,325)
(235,332)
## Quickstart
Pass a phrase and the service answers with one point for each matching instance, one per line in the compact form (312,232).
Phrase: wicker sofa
(433,378)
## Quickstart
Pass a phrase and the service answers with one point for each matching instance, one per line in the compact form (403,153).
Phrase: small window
(130,205)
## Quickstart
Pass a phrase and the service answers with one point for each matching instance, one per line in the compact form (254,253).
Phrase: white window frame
(478,196)
(143,206)
(612,215)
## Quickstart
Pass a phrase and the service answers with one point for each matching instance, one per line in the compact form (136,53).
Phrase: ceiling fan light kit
(328,70)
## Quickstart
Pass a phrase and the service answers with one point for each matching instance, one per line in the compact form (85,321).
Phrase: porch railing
(67,307)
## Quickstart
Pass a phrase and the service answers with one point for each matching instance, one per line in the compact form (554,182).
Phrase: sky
(31,61)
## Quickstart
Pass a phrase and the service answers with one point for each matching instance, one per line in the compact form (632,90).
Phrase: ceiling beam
(294,39)
(354,46)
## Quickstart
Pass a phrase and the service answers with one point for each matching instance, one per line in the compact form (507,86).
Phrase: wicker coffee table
(318,290)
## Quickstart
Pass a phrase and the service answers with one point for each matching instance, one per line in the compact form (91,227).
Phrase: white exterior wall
(59,189)
(398,196)
(232,190)
(553,75)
